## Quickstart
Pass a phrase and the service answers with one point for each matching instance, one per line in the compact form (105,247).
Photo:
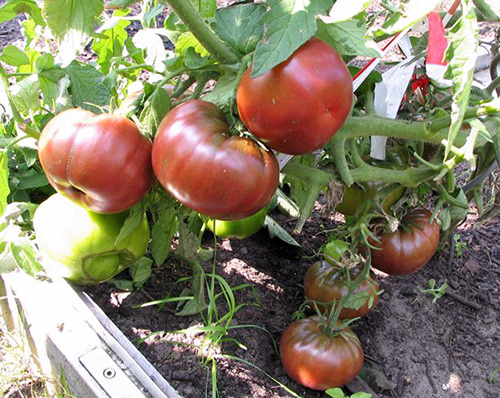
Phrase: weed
(459,245)
(436,292)
(495,375)
(338,393)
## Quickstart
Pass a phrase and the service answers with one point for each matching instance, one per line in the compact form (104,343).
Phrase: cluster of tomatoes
(105,165)
(320,352)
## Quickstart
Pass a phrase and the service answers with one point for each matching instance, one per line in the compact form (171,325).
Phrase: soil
(413,347)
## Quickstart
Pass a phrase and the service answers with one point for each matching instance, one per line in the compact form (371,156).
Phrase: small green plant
(338,393)
(495,376)
(459,246)
(436,292)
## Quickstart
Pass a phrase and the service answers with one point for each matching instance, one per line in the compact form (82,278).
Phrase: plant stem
(208,39)
(433,132)
(316,179)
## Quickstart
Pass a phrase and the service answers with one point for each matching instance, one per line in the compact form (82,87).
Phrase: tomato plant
(102,162)
(233,72)
(408,248)
(297,106)
(238,229)
(197,160)
(327,285)
(84,246)
(318,358)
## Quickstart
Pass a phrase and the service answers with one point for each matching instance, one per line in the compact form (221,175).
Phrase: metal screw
(109,373)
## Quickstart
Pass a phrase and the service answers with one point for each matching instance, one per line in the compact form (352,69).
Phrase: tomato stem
(208,39)
(317,180)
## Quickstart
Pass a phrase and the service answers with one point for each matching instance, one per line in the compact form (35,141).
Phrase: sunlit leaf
(14,56)
(242,26)
(348,38)
(288,25)
(12,8)
(344,10)
(71,22)
(461,54)
(110,44)
(4,181)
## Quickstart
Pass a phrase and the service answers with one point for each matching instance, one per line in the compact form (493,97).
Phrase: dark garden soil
(413,348)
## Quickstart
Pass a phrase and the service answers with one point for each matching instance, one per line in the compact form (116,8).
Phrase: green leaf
(298,187)
(25,256)
(52,85)
(152,12)
(241,26)
(26,95)
(29,31)
(12,8)
(35,180)
(344,10)
(122,284)
(206,8)
(461,53)
(188,243)
(276,230)
(33,55)
(14,56)
(163,232)
(286,204)
(445,218)
(155,109)
(131,223)
(224,91)
(186,40)
(198,302)
(87,88)
(45,61)
(71,22)
(410,13)
(110,43)
(348,38)
(121,3)
(140,271)
(356,300)
(288,25)
(335,392)
(4,181)
(361,395)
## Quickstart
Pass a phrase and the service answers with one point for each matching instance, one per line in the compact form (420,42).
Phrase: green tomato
(359,193)
(81,245)
(238,229)
(334,250)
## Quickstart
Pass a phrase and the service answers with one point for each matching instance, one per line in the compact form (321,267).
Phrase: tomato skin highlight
(316,360)
(102,162)
(297,106)
(238,229)
(324,284)
(199,163)
(81,246)
(404,252)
